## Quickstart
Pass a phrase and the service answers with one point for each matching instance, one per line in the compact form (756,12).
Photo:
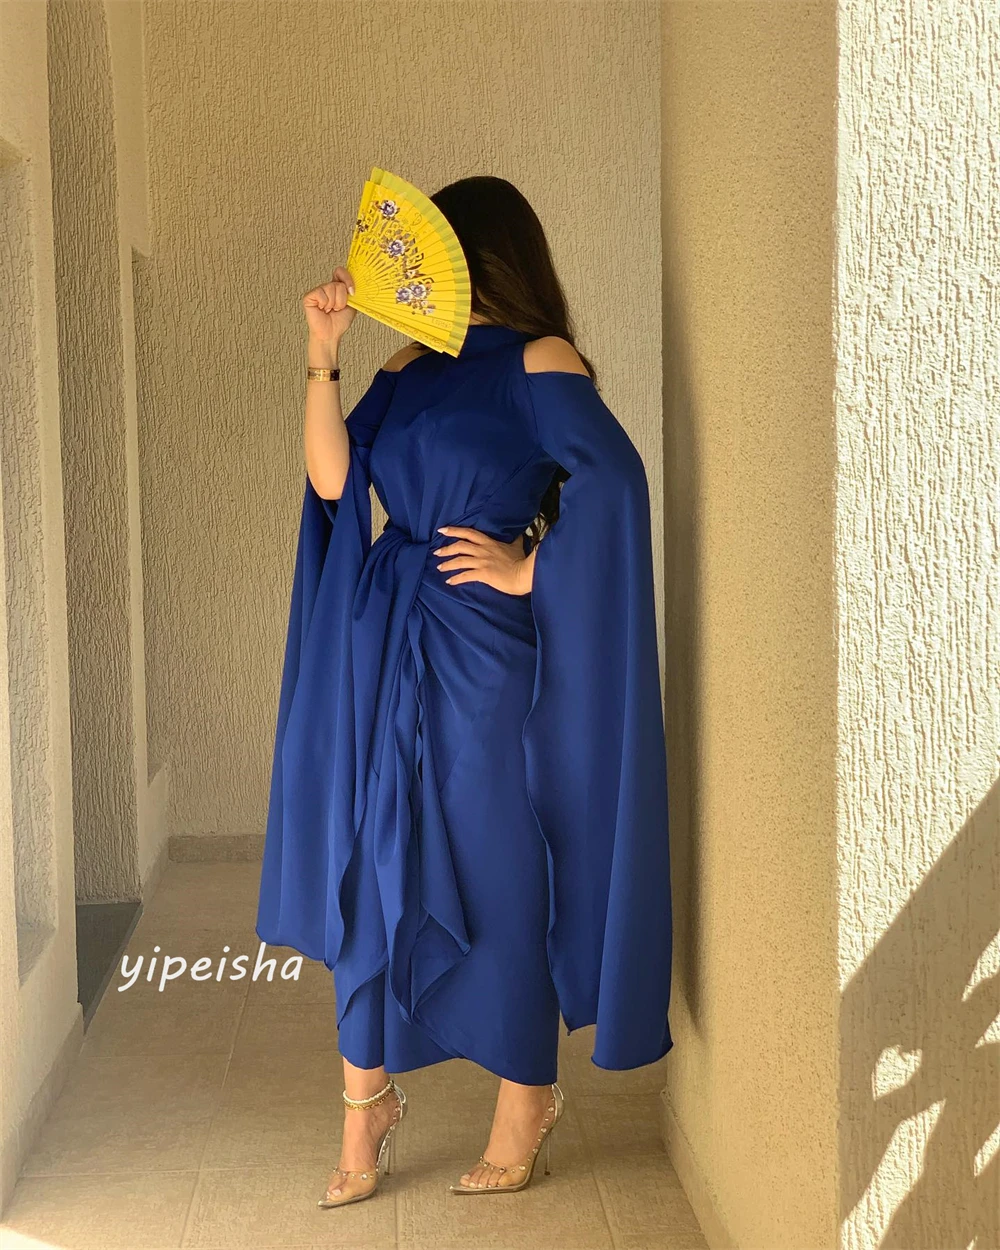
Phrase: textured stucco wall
(748,196)
(38,1007)
(27,676)
(95,465)
(124,33)
(97,126)
(918,595)
(832,369)
(264,120)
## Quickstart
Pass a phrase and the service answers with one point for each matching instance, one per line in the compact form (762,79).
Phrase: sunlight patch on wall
(987,967)
(898,1171)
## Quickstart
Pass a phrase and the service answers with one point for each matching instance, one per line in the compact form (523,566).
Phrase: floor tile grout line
(589,1152)
(165,1054)
(212,1119)
(160,1171)
(64,1176)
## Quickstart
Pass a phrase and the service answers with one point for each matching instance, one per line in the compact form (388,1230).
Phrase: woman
(468,813)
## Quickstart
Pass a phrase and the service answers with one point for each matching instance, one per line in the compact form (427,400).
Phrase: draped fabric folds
(393,679)
(594,738)
(314,752)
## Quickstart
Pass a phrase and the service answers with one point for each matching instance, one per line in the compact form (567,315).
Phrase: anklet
(362,1104)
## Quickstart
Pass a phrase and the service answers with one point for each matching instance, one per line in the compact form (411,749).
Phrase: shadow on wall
(917,1075)
(682,561)
(920,1077)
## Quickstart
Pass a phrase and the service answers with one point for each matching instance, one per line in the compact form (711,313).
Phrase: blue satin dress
(468,808)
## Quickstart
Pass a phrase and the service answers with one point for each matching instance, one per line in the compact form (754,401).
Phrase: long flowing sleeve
(312,772)
(593,738)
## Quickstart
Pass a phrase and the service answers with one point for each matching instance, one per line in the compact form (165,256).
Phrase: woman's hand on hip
(475,557)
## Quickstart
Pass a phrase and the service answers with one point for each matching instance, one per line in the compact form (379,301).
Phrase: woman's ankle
(361,1083)
(512,1095)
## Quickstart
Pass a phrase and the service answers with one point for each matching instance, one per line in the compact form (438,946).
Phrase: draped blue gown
(468,808)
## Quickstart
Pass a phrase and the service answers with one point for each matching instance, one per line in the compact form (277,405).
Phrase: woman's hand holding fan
(328,313)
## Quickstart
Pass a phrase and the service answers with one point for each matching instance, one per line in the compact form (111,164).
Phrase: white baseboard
(21,1137)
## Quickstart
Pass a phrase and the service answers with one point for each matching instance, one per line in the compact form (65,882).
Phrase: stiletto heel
(390,1158)
(549,1122)
(385,1153)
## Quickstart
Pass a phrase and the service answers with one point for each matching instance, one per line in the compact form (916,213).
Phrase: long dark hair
(514,281)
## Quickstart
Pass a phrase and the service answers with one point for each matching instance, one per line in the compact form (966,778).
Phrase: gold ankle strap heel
(553,1114)
(385,1156)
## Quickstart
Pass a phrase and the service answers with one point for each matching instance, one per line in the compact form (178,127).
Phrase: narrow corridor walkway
(207,1115)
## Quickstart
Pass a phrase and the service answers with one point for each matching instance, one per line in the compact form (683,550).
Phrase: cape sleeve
(315,720)
(593,738)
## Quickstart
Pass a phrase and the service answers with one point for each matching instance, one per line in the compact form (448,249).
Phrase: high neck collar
(483,336)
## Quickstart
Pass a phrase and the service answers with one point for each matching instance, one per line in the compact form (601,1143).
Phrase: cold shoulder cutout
(552,354)
(399,360)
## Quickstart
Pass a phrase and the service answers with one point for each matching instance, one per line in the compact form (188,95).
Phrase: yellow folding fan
(408,267)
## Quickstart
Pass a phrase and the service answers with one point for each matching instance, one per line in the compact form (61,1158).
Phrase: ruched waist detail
(398,899)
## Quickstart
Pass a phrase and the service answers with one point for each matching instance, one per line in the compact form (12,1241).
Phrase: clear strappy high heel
(553,1113)
(385,1154)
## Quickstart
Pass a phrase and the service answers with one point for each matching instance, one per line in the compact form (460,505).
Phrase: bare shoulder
(552,354)
(401,358)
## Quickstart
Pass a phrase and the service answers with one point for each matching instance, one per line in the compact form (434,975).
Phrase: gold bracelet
(313,373)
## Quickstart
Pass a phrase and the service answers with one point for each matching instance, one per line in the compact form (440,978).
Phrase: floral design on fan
(398,246)
(388,208)
(415,296)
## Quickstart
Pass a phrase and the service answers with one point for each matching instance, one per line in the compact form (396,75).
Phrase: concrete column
(832,373)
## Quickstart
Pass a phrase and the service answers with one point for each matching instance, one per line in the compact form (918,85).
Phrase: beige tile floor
(206,1116)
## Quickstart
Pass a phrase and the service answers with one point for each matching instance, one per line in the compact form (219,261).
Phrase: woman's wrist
(526,573)
(323,353)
